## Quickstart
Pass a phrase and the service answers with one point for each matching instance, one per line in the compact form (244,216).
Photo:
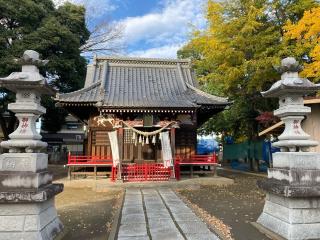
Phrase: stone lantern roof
(290,82)
(290,91)
(29,77)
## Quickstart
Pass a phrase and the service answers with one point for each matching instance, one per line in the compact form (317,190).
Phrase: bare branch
(104,38)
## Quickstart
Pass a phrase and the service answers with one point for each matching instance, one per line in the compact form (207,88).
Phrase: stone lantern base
(27,195)
(292,207)
(29,221)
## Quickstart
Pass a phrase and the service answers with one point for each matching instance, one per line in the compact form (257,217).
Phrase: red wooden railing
(89,160)
(199,160)
(145,172)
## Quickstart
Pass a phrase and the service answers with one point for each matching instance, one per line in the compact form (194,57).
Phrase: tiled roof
(116,82)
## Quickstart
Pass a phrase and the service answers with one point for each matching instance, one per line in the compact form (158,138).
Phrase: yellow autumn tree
(305,35)
(235,53)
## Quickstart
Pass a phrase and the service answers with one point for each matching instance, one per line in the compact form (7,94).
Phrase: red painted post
(145,168)
(214,157)
(177,168)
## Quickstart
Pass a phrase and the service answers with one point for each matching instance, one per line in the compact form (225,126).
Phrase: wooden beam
(270,128)
(311,101)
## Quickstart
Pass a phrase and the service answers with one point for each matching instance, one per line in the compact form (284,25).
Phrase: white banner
(166,149)
(113,136)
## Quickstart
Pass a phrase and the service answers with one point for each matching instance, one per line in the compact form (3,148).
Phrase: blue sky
(151,28)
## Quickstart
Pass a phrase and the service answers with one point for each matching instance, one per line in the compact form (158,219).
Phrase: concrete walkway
(159,215)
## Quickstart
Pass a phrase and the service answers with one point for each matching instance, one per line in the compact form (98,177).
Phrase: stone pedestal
(292,208)
(29,221)
(27,194)
(27,208)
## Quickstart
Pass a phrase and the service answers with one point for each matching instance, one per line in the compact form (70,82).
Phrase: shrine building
(144,100)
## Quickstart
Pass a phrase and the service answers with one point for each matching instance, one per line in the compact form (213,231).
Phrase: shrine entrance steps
(159,215)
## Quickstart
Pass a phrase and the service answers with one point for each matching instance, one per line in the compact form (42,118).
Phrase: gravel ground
(235,205)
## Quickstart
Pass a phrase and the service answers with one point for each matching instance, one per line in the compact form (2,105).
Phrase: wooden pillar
(173,148)
(69,172)
(120,145)
(173,141)
(89,144)
(139,147)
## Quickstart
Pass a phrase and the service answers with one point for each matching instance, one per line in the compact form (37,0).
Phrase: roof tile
(134,82)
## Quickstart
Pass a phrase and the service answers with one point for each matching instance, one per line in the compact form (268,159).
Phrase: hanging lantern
(147,140)
(154,139)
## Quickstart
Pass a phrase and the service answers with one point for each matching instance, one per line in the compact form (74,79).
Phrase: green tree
(235,55)
(57,34)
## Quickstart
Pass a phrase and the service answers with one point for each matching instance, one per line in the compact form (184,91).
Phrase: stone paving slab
(133,199)
(133,230)
(134,191)
(180,209)
(202,236)
(165,235)
(194,227)
(133,218)
(183,217)
(134,238)
(132,210)
(161,215)
(158,223)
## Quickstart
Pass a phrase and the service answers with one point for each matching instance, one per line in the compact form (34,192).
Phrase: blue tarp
(207,146)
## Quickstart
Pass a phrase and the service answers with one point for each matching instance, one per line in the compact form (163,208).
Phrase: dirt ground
(86,214)
(236,205)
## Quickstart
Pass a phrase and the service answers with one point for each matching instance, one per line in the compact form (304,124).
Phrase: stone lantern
(292,207)
(27,194)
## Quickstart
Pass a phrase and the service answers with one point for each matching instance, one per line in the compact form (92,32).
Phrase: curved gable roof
(117,82)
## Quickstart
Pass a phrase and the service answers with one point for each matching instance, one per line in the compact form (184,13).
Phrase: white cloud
(166,28)
(166,51)
(172,22)
(94,8)
(159,33)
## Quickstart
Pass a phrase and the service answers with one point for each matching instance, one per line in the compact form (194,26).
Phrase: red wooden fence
(145,172)
(89,160)
(194,160)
